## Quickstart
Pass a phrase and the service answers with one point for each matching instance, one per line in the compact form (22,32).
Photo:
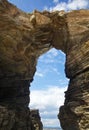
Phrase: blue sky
(47,89)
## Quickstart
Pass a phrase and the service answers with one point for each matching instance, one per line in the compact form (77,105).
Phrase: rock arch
(23,38)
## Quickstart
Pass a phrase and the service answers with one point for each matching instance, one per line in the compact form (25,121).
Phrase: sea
(52,128)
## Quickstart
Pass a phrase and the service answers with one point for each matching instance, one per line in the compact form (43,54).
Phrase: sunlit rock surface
(23,38)
(74,115)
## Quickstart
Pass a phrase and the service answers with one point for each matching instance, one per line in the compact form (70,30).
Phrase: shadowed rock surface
(23,38)
(36,120)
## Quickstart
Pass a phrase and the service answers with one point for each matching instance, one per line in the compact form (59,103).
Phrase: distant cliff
(23,38)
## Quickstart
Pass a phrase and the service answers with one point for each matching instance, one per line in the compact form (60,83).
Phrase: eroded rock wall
(74,115)
(36,120)
(23,38)
(18,57)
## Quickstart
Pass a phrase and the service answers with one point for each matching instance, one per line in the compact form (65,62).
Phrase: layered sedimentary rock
(36,120)
(14,117)
(23,38)
(74,115)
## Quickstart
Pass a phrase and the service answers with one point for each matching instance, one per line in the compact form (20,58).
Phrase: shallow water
(50,128)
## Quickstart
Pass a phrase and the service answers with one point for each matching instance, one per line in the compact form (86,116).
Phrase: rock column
(74,115)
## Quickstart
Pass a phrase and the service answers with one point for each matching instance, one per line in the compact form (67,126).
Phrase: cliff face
(23,38)
(74,115)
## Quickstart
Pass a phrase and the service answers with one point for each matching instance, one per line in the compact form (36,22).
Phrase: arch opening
(47,89)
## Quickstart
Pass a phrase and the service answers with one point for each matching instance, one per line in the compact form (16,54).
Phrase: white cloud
(77,4)
(55,1)
(70,5)
(64,81)
(59,6)
(56,71)
(39,74)
(45,8)
(50,63)
(48,69)
(49,57)
(52,56)
(48,102)
(52,122)
(53,52)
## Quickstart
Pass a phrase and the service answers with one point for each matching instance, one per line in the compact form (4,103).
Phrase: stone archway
(23,38)
(48,87)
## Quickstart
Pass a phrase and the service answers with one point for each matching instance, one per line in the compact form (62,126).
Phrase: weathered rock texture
(36,120)
(74,115)
(23,38)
